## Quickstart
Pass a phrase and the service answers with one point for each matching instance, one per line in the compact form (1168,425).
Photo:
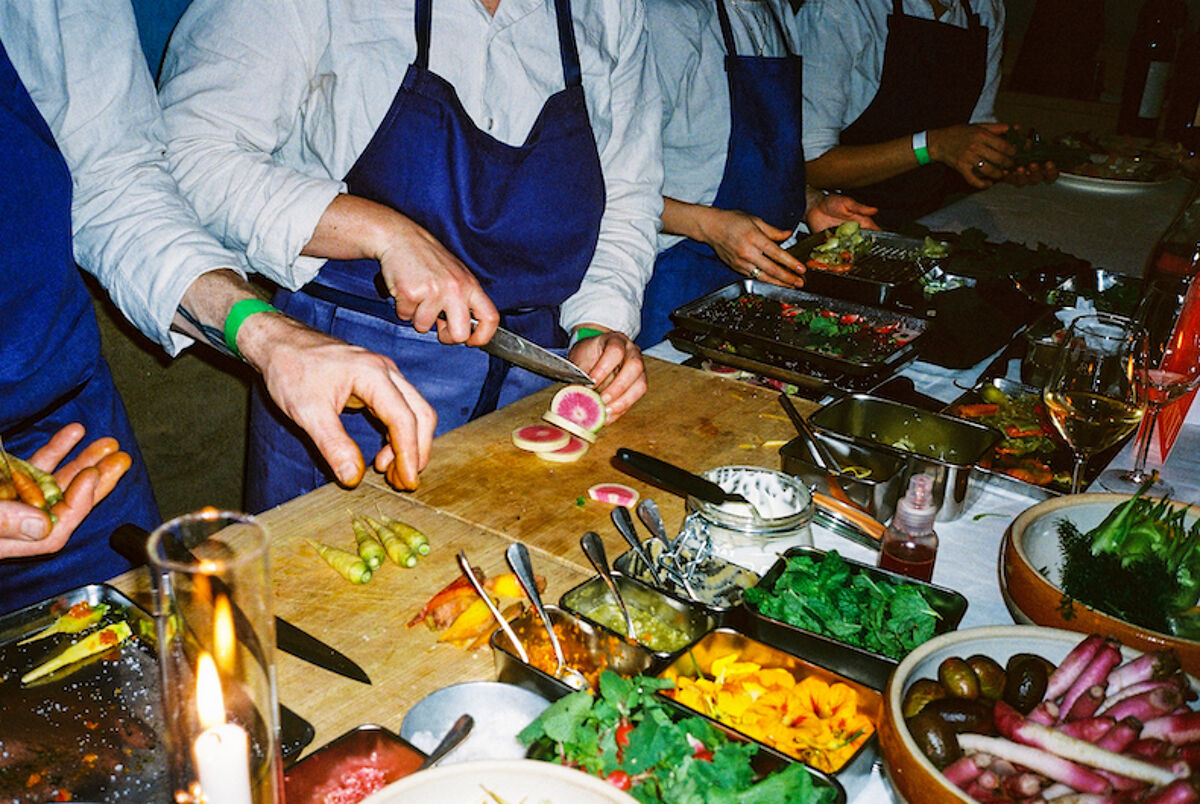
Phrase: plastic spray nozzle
(915,511)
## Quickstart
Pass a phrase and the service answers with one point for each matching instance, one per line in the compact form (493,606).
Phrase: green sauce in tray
(651,632)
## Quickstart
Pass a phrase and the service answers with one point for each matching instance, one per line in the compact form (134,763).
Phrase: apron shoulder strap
(898,8)
(973,20)
(727,28)
(422,21)
(568,51)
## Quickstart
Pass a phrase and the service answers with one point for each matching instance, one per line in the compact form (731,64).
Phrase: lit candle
(222,751)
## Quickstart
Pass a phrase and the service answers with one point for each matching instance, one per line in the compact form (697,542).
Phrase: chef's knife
(528,355)
(130,541)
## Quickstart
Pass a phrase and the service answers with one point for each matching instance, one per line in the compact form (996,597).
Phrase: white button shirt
(269,104)
(689,53)
(84,69)
(843,41)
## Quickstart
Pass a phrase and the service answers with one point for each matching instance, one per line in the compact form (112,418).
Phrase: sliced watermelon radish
(570,426)
(540,438)
(572,452)
(614,494)
(581,405)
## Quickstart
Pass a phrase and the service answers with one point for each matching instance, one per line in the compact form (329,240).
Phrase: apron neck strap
(727,28)
(972,15)
(568,50)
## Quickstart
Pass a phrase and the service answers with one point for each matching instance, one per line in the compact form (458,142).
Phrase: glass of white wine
(1092,395)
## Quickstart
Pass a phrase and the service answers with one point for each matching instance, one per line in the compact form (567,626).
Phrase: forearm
(849,166)
(682,218)
(205,307)
(354,228)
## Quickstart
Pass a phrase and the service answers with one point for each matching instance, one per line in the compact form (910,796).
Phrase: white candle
(222,751)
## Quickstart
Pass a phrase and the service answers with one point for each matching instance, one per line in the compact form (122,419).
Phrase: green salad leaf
(826,595)
(664,754)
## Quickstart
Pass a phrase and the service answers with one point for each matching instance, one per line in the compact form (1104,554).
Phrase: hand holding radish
(312,377)
(615,363)
(26,530)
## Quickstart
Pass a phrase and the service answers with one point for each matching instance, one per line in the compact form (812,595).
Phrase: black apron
(933,74)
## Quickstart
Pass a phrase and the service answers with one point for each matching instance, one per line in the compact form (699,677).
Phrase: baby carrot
(417,540)
(369,549)
(44,480)
(397,549)
(28,491)
(347,564)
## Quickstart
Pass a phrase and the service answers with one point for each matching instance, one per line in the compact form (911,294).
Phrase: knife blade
(525,353)
(130,541)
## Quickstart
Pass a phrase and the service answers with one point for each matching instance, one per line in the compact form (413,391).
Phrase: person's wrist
(920,147)
(238,314)
(582,334)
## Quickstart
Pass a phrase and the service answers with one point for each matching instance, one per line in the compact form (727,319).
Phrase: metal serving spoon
(624,522)
(593,548)
(518,561)
(458,732)
(465,566)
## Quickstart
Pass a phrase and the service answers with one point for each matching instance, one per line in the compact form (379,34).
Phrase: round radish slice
(572,452)
(540,438)
(570,426)
(581,405)
(613,494)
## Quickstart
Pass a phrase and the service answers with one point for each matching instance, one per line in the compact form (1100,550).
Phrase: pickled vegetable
(651,631)
(990,674)
(958,678)
(919,694)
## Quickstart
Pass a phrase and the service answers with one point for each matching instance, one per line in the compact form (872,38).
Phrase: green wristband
(238,314)
(920,146)
(582,334)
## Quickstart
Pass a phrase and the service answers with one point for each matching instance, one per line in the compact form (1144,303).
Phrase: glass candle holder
(216,637)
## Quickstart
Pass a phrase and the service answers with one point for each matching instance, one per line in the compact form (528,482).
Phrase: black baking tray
(109,706)
(878,277)
(862,665)
(759,329)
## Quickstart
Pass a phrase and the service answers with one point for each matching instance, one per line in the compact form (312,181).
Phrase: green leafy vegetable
(626,729)
(826,595)
(1142,564)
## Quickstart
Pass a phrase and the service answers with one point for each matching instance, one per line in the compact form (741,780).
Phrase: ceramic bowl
(500,711)
(500,780)
(1030,576)
(913,776)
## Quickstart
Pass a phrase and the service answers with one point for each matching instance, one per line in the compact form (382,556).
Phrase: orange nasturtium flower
(810,719)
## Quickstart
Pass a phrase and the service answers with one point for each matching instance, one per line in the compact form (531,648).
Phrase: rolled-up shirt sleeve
(829,37)
(85,71)
(223,129)
(612,288)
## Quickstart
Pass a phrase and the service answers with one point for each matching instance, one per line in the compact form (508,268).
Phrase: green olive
(919,694)
(1026,682)
(935,738)
(990,674)
(963,714)
(958,678)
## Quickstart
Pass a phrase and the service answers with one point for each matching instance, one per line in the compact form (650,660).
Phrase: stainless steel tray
(761,329)
(892,261)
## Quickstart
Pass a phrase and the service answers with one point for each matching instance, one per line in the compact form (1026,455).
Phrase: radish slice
(614,494)
(570,426)
(540,438)
(581,405)
(572,452)
(720,369)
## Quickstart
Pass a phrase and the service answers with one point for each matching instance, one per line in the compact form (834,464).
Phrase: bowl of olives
(950,685)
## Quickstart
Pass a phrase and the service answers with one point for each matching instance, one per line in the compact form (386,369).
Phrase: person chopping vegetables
(898,101)
(397,163)
(82,153)
(734,173)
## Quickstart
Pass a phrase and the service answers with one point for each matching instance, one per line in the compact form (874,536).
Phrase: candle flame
(224,641)
(210,704)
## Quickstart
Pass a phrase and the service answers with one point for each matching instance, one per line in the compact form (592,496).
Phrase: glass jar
(785,507)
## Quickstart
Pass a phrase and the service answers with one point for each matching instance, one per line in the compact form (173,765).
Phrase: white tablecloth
(1115,231)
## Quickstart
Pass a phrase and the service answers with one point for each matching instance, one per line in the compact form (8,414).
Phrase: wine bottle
(1182,121)
(1148,66)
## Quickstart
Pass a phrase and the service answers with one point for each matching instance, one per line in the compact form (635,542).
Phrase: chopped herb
(580,502)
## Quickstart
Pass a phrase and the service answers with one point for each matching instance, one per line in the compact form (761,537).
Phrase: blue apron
(764,176)
(51,370)
(525,219)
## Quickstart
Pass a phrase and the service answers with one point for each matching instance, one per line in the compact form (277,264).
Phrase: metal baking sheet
(769,336)
(875,278)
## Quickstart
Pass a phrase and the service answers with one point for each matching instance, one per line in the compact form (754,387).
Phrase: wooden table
(479,494)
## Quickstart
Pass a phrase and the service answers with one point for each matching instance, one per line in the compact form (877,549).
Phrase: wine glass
(1092,395)
(1169,312)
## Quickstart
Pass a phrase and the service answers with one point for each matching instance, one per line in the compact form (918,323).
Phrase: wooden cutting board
(687,417)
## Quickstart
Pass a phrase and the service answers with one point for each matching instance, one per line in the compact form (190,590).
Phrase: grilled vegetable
(103,640)
(347,564)
(78,618)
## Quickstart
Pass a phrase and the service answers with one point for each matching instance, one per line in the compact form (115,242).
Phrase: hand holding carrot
(26,530)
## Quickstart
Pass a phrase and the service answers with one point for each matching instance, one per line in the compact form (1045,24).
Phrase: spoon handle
(458,732)
(623,520)
(593,548)
(517,556)
(465,566)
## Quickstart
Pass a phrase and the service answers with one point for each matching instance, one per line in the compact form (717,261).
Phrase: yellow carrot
(347,564)
(397,549)
(369,549)
(79,617)
(44,480)
(103,640)
(416,540)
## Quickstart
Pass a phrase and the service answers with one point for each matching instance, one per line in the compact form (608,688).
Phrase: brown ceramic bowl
(913,776)
(1029,577)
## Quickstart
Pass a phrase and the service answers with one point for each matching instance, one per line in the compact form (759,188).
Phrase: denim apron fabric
(764,176)
(51,370)
(933,73)
(525,219)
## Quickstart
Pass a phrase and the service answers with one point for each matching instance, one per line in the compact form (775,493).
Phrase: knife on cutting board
(130,541)
(528,355)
